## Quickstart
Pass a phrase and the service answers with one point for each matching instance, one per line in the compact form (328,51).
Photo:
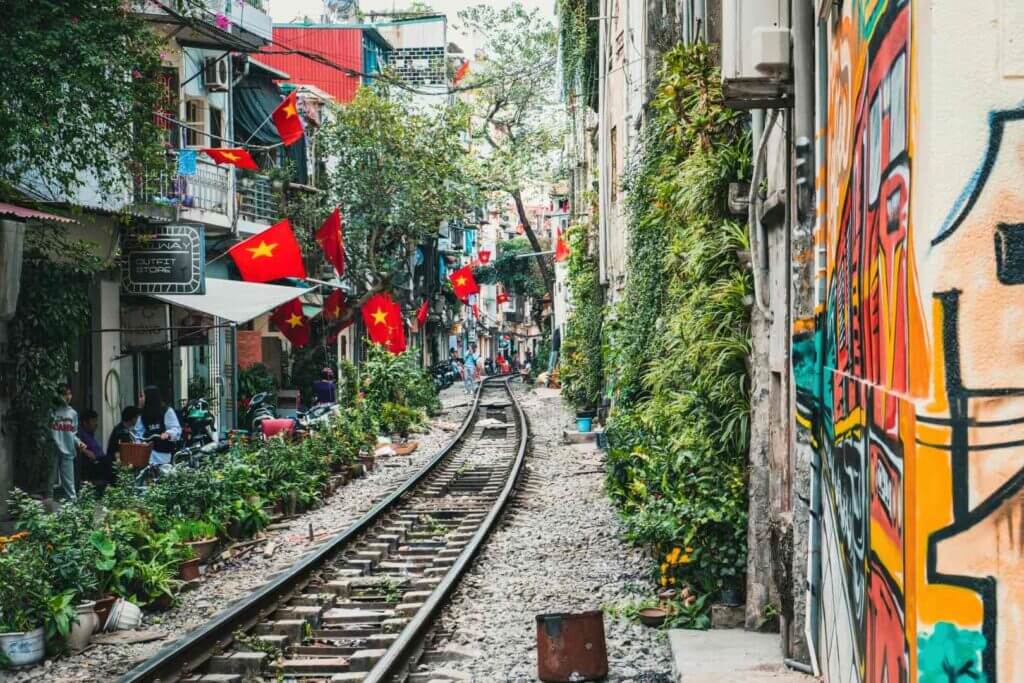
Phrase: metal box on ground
(571,647)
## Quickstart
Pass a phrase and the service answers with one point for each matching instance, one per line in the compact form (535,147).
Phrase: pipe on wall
(760,132)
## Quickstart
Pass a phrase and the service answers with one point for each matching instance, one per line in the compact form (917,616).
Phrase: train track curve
(358,608)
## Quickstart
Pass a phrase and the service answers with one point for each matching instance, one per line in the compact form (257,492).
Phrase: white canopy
(235,301)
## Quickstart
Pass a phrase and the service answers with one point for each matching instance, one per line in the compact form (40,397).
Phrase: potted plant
(199,535)
(24,601)
(188,568)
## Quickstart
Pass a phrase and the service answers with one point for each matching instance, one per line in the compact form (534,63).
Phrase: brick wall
(250,347)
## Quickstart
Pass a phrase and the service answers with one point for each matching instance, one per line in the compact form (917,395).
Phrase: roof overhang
(235,301)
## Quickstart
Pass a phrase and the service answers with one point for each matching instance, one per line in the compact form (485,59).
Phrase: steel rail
(185,655)
(399,653)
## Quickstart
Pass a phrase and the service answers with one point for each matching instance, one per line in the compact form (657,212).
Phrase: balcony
(250,26)
(257,205)
(204,197)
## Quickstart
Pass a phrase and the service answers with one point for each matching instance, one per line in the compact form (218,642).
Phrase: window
(613,158)
(195,119)
(216,126)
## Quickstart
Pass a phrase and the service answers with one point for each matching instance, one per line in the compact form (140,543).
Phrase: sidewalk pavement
(726,655)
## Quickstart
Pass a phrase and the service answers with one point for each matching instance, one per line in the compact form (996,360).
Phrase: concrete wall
(917,408)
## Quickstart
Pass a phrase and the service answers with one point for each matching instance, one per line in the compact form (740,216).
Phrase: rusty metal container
(571,647)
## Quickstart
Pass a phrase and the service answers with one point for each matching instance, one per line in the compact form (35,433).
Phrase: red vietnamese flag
(381,315)
(464,283)
(476,311)
(235,156)
(461,73)
(484,255)
(502,298)
(561,247)
(334,305)
(269,255)
(286,118)
(292,322)
(421,314)
(330,239)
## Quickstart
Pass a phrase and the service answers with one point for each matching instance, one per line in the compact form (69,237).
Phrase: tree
(397,173)
(515,108)
(79,91)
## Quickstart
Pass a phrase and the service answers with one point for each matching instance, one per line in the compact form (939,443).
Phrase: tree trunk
(545,272)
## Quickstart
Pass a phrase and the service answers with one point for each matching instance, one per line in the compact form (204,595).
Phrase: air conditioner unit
(216,75)
(756,48)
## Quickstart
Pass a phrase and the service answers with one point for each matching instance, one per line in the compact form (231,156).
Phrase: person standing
(324,389)
(94,464)
(158,422)
(469,369)
(63,429)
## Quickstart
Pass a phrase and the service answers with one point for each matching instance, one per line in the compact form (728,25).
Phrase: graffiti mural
(914,396)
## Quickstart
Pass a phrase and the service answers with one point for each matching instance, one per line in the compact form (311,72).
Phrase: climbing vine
(676,348)
(581,374)
(52,311)
(578,48)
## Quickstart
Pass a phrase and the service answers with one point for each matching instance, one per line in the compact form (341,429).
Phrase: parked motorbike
(198,423)
(260,408)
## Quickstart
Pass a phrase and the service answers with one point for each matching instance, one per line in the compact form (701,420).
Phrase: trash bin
(571,647)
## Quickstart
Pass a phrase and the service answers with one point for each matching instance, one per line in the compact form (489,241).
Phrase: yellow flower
(664,568)
(664,581)
(684,559)
(673,556)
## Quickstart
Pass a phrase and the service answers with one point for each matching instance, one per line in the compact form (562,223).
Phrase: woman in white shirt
(157,420)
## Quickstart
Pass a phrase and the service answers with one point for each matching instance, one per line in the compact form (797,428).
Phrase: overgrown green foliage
(676,348)
(581,372)
(578,39)
(517,275)
(53,309)
(254,379)
(397,379)
(79,92)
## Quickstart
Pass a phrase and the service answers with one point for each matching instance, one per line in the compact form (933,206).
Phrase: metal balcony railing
(209,189)
(256,199)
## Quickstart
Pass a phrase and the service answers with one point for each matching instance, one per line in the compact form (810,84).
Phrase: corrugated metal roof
(31,214)
(343,46)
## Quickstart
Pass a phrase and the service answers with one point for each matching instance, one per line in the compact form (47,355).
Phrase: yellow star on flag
(295,320)
(289,109)
(335,311)
(379,317)
(263,249)
(460,280)
(230,156)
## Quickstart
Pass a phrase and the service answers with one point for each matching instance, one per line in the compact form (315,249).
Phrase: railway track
(359,608)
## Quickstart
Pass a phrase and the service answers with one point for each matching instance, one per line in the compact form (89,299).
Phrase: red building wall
(343,46)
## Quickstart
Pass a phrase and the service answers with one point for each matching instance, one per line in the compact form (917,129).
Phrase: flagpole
(324,283)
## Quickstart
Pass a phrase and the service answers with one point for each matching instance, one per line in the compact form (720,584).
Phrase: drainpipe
(820,82)
(602,142)
(760,133)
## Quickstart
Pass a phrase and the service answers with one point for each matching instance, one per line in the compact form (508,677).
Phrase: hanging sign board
(170,259)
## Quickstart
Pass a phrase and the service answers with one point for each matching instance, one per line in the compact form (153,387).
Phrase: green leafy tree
(397,172)
(518,275)
(582,372)
(516,115)
(78,92)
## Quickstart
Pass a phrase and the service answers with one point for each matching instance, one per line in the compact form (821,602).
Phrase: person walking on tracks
(470,361)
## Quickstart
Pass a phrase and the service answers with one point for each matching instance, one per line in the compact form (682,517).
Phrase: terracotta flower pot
(203,548)
(189,570)
(103,606)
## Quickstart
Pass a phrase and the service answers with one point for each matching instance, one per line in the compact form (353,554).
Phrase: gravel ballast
(254,568)
(558,549)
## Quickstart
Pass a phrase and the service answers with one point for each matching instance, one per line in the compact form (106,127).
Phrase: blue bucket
(583,424)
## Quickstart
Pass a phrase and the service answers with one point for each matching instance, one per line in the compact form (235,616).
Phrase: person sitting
(158,423)
(94,464)
(323,389)
(122,432)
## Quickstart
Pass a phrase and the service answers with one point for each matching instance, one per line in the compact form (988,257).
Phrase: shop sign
(170,259)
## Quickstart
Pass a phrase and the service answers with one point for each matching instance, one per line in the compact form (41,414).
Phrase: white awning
(235,301)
